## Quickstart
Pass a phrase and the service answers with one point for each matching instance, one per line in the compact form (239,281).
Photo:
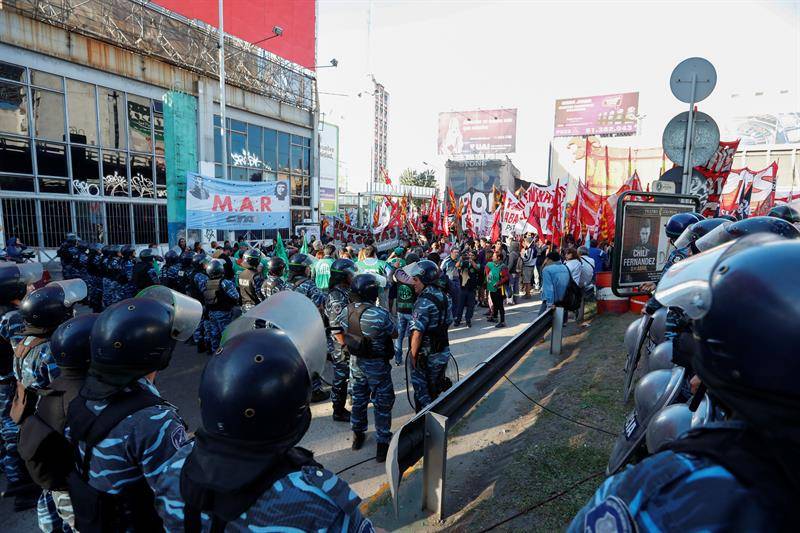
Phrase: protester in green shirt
(322,268)
(371,263)
(496,279)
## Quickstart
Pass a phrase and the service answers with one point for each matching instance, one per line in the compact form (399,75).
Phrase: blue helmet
(171,257)
(187,258)
(785,212)
(364,288)
(70,343)
(257,388)
(678,223)
(342,271)
(753,225)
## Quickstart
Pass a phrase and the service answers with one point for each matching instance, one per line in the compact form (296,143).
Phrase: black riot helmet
(15,278)
(96,248)
(750,365)
(426,271)
(171,257)
(276,266)
(342,271)
(199,262)
(136,336)
(251,259)
(785,212)
(44,309)
(411,257)
(696,231)
(364,288)
(106,251)
(299,264)
(257,388)
(215,269)
(187,258)
(728,217)
(69,343)
(71,238)
(678,223)
(83,245)
(127,251)
(149,255)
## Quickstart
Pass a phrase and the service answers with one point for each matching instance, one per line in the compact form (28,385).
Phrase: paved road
(329,440)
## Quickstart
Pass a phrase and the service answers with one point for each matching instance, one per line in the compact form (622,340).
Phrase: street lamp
(334,63)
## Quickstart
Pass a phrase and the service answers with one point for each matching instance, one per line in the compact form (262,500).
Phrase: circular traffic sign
(704,75)
(705,138)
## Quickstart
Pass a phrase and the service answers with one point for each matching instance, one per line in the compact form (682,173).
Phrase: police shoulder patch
(178,437)
(610,515)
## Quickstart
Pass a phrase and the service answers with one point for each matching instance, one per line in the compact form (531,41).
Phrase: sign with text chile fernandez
(236,205)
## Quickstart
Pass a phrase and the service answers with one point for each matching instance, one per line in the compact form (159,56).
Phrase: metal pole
(221,47)
(435,463)
(688,145)
(557,331)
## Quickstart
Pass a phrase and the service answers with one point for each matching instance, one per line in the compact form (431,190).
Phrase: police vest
(272,285)
(42,444)
(438,335)
(98,511)
(140,277)
(405,298)
(216,298)
(359,344)
(247,287)
(24,402)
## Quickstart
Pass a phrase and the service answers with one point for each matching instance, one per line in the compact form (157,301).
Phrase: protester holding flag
(497,278)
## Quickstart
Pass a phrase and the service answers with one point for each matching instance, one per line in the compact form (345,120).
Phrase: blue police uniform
(336,311)
(170,276)
(127,288)
(69,260)
(310,290)
(427,375)
(11,327)
(198,282)
(671,492)
(139,447)
(218,320)
(81,265)
(372,376)
(111,274)
(676,255)
(310,499)
(272,285)
(94,281)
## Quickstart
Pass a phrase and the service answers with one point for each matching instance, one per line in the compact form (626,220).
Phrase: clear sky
(435,56)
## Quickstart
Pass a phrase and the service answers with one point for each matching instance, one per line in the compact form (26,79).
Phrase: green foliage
(426,178)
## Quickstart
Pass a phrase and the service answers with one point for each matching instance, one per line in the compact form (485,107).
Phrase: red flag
(451,209)
(386,178)
(495,235)
(470,224)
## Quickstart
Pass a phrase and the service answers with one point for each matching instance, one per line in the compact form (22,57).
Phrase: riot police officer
(169,274)
(111,273)
(94,276)
(299,274)
(430,345)
(41,441)
(274,281)
(249,280)
(244,469)
(220,297)
(14,280)
(741,473)
(43,310)
(370,330)
(68,254)
(82,259)
(195,288)
(124,431)
(185,272)
(127,287)
(144,271)
(335,316)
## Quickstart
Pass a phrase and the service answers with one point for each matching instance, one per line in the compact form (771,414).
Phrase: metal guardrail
(425,435)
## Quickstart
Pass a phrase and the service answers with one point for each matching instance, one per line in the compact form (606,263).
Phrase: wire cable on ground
(545,501)
(345,469)
(584,424)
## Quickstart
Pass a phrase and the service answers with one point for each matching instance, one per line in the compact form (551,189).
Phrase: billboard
(253,20)
(236,205)
(491,131)
(597,115)
(328,168)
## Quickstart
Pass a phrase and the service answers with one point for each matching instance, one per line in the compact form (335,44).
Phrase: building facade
(380,130)
(82,144)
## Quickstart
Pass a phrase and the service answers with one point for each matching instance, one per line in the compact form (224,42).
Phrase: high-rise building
(381,122)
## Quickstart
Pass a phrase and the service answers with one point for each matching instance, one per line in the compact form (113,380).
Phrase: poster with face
(645,245)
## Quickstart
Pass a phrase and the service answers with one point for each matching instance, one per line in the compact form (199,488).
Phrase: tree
(426,178)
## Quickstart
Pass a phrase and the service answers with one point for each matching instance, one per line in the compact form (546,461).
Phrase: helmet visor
(408,273)
(685,238)
(75,290)
(380,280)
(30,272)
(297,316)
(687,284)
(715,237)
(187,312)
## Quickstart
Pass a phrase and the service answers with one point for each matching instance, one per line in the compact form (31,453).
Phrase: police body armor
(247,288)
(97,511)
(273,284)
(405,298)
(139,277)
(24,402)
(182,281)
(42,444)
(438,337)
(6,350)
(357,343)
(215,298)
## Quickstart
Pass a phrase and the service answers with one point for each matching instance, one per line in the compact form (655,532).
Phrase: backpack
(357,344)
(571,300)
